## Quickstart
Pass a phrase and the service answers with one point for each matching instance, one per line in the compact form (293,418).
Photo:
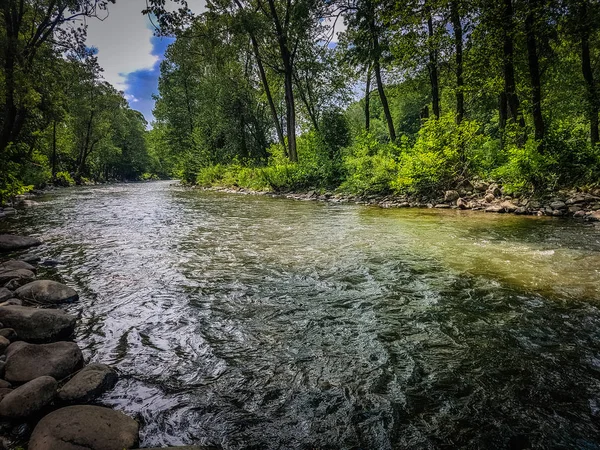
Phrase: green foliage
(63,179)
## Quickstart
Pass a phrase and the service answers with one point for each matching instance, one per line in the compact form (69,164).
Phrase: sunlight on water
(253,322)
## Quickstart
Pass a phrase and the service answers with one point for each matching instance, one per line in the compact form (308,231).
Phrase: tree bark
(458,45)
(384,101)
(54,150)
(510,88)
(433,69)
(534,71)
(588,75)
(367,101)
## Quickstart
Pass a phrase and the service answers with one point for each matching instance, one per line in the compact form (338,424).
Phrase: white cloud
(123,41)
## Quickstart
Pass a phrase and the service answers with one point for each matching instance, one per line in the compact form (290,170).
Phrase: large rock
(21,274)
(5,294)
(13,264)
(26,362)
(11,242)
(38,325)
(85,428)
(451,196)
(47,292)
(29,398)
(91,382)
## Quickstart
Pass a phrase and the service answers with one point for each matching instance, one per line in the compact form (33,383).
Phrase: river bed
(260,323)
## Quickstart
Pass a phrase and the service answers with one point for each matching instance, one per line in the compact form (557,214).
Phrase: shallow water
(265,323)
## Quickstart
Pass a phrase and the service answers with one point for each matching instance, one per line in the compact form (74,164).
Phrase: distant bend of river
(260,323)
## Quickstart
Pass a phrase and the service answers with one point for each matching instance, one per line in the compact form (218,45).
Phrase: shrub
(63,179)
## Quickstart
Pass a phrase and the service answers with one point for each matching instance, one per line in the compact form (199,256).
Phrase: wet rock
(451,196)
(489,197)
(88,384)
(25,274)
(5,294)
(442,206)
(3,393)
(38,325)
(495,209)
(9,334)
(12,301)
(14,264)
(16,283)
(509,207)
(47,292)
(30,361)
(594,216)
(558,205)
(186,447)
(462,203)
(579,214)
(5,384)
(11,242)
(85,428)
(31,259)
(521,210)
(4,343)
(558,213)
(29,398)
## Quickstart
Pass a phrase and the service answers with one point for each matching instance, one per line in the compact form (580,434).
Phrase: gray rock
(509,207)
(29,398)
(3,393)
(4,343)
(12,301)
(489,197)
(442,206)
(16,283)
(185,447)
(31,259)
(11,242)
(47,292)
(9,334)
(30,361)
(462,203)
(38,325)
(5,294)
(88,384)
(25,274)
(5,384)
(495,209)
(494,189)
(451,196)
(85,428)
(14,264)
(558,205)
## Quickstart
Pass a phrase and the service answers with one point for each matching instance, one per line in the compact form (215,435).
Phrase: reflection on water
(262,323)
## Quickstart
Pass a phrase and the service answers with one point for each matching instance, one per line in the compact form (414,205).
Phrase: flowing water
(260,323)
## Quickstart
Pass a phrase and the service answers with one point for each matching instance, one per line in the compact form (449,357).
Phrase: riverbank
(484,197)
(48,394)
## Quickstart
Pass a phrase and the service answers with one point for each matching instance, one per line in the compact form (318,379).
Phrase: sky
(129,52)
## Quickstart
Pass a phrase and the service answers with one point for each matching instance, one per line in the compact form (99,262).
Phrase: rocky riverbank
(47,392)
(477,196)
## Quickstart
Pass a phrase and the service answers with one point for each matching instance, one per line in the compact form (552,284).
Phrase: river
(260,323)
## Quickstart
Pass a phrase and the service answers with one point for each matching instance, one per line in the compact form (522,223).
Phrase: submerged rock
(11,242)
(26,362)
(85,428)
(91,382)
(38,325)
(29,398)
(47,292)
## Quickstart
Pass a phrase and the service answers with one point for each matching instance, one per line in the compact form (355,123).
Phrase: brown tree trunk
(534,71)
(510,86)
(367,101)
(458,45)
(433,69)
(54,150)
(588,75)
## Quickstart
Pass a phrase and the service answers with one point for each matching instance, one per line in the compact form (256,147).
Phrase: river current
(259,323)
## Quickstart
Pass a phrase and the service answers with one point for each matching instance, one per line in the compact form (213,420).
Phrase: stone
(594,216)
(11,242)
(16,283)
(462,203)
(489,197)
(5,294)
(12,301)
(38,325)
(88,384)
(30,361)
(5,277)
(558,212)
(47,292)
(85,427)
(521,210)
(508,207)
(442,206)
(481,186)
(3,393)
(558,205)
(494,189)
(451,196)
(29,398)
(495,209)
(5,384)
(185,447)
(15,265)
(579,214)
(31,259)
(9,334)
(4,343)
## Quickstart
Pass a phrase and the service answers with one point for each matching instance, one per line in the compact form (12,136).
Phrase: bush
(63,179)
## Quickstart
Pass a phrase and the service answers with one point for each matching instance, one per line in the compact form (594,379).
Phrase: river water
(260,323)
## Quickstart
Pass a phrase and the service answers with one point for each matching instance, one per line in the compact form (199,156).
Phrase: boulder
(24,274)
(495,209)
(4,391)
(451,196)
(558,205)
(4,343)
(85,428)
(494,189)
(38,325)
(29,361)
(9,334)
(16,283)
(462,203)
(13,264)
(5,384)
(88,384)
(11,242)
(47,292)
(31,259)
(489,197)
(594,216)
(29,398)
(12,301)
(481,186)
(5,294)
(509,207)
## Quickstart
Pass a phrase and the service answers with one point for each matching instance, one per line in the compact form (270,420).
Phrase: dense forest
(366,96)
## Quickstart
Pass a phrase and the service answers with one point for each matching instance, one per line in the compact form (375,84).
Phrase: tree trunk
(458,45)
(588,75)
(510,88)
(534,71)
(503,110)
(433,69)
(384,101)
(367,101)
(54,150)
